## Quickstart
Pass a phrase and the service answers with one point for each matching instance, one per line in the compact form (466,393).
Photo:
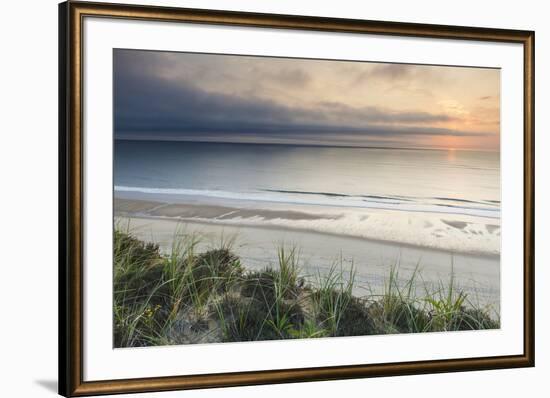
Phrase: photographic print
(265,198)
(252,198)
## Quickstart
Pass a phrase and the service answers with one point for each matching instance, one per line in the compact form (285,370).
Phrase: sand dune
(478,275)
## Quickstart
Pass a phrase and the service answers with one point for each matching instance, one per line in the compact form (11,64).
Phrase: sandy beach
(456,231)
(478,275)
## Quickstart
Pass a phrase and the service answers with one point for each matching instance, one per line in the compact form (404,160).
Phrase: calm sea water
(431,181)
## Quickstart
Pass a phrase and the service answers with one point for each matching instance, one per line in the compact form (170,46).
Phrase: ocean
(443,199)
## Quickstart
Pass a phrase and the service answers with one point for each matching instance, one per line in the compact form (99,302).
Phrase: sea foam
(405,204)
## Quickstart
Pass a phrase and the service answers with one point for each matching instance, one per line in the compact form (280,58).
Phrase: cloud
(392,71)
(289,77)
(386,72)
(148,103)
(374,114)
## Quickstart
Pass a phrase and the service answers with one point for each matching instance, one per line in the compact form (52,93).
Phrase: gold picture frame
(71,239)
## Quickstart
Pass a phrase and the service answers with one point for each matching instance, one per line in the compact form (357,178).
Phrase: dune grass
(185,296)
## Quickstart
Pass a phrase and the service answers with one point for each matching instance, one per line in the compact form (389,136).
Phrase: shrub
(355,320)
(218,265)
(244,320)
(331,298)
(473,319)
(395,315)
(137,266)
(248,319)
(263,285)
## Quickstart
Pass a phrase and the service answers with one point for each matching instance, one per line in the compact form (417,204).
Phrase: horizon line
(160,139)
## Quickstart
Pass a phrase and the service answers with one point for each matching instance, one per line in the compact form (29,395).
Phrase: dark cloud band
(147,104)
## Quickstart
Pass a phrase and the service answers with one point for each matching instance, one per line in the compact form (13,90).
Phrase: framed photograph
(252,198)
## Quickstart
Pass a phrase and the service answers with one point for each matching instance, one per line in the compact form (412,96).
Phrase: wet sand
(185,211)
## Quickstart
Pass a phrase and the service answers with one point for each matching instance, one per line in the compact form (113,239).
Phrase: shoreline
(460,235)
(230,224)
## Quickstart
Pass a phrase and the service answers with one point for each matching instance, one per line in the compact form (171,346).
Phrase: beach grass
(189,296)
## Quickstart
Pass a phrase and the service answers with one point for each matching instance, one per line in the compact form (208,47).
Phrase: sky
(247,99)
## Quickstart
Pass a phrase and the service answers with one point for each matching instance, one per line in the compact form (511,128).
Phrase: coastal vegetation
(187,295)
